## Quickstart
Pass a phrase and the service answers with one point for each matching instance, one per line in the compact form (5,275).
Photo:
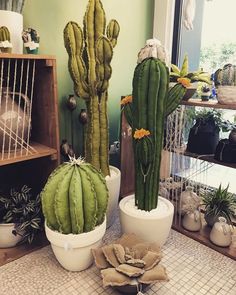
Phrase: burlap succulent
(130,260)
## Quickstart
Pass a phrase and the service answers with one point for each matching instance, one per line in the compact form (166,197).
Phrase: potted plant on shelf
(74,203)
(144,213)
(205,92)
(5,40)
(90,53)
(194,77)
(219,203)
(31,39)
(20,217)
(11,17)
(225,81)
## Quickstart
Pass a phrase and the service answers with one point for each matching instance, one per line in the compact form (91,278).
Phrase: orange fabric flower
(184,81)
(140,133)
(127,99)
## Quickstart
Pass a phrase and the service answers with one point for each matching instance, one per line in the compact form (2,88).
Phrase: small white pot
(113,185)
(153,226)
(73,252)
(7,239)
(14,22)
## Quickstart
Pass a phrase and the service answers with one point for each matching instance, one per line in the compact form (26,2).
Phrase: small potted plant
(205,92)
(31,40)
(74,203)
(219,203)
(177,74)
(20,217)
(5,40)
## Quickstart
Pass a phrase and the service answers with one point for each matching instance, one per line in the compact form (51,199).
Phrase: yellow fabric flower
(140,133)
(184,81)
(127,99)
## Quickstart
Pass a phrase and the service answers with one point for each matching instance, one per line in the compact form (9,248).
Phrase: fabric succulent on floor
(130,261)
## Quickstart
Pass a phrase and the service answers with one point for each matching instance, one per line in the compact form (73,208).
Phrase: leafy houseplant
(90,53)
(74,203)
(31,40)
(219,203)
(145,111)
(24,210)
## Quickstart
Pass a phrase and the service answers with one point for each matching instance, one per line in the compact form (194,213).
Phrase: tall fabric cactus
(145,111)
(90,54)
(74,198)
(4,34)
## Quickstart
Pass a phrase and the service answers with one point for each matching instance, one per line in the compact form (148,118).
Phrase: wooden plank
(210,104)
(26,56)
(10,254)
(40,151)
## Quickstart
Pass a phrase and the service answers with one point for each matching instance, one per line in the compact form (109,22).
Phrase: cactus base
(73,252)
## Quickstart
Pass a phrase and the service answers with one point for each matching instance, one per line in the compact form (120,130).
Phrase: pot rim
(117,173)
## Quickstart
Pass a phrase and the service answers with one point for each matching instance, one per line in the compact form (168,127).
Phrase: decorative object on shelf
(91,76)
(66,150)
(11,17)
(151,102)
(20,217)
(5,40)
(225,81)
(205,93)
(130,264)
(15,123)
(218,203)
(204,135)
(74,203)
(31,40)
(192,220)
(188,201)
(192,77)
(90,53)
(220,234)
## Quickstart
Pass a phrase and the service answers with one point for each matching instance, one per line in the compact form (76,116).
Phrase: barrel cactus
(145,111)
(90,53)
(226,76)
(75,197)
(6,38)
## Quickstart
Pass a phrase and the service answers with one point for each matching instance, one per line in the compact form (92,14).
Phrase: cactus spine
(75,198)
(90,54)
(151,102)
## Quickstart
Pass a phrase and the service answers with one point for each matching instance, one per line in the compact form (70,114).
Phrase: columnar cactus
(226,76)
(75,197)
(146,110)
(90,53)
(4,34)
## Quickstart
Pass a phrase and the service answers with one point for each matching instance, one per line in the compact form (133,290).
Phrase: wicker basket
(226,94)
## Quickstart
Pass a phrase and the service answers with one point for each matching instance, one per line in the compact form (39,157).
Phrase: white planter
(113,184)
(14,22)
(153,226)
(7,239)
(226,94)
(73,252)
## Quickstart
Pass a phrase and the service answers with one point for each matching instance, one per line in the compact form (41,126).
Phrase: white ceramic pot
(153,226)
(73,252)
(7,239)
(113,184)
(14,22)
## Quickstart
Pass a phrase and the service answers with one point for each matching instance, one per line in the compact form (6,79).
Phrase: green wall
(50,16)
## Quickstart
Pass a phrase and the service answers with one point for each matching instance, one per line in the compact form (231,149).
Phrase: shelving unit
(35,77)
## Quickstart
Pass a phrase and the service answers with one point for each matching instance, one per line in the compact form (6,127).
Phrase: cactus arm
(104,141)
(48,195)
(175,94)
(62,206)
(100,190)
(76,203)
(73,40)
(113,30)
(89,201)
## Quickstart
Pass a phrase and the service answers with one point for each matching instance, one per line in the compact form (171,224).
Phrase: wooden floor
(10,254)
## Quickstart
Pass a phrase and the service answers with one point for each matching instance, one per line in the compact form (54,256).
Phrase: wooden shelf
(203,237)
(209,104)
(26,56)
(38,152)
(10,254)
